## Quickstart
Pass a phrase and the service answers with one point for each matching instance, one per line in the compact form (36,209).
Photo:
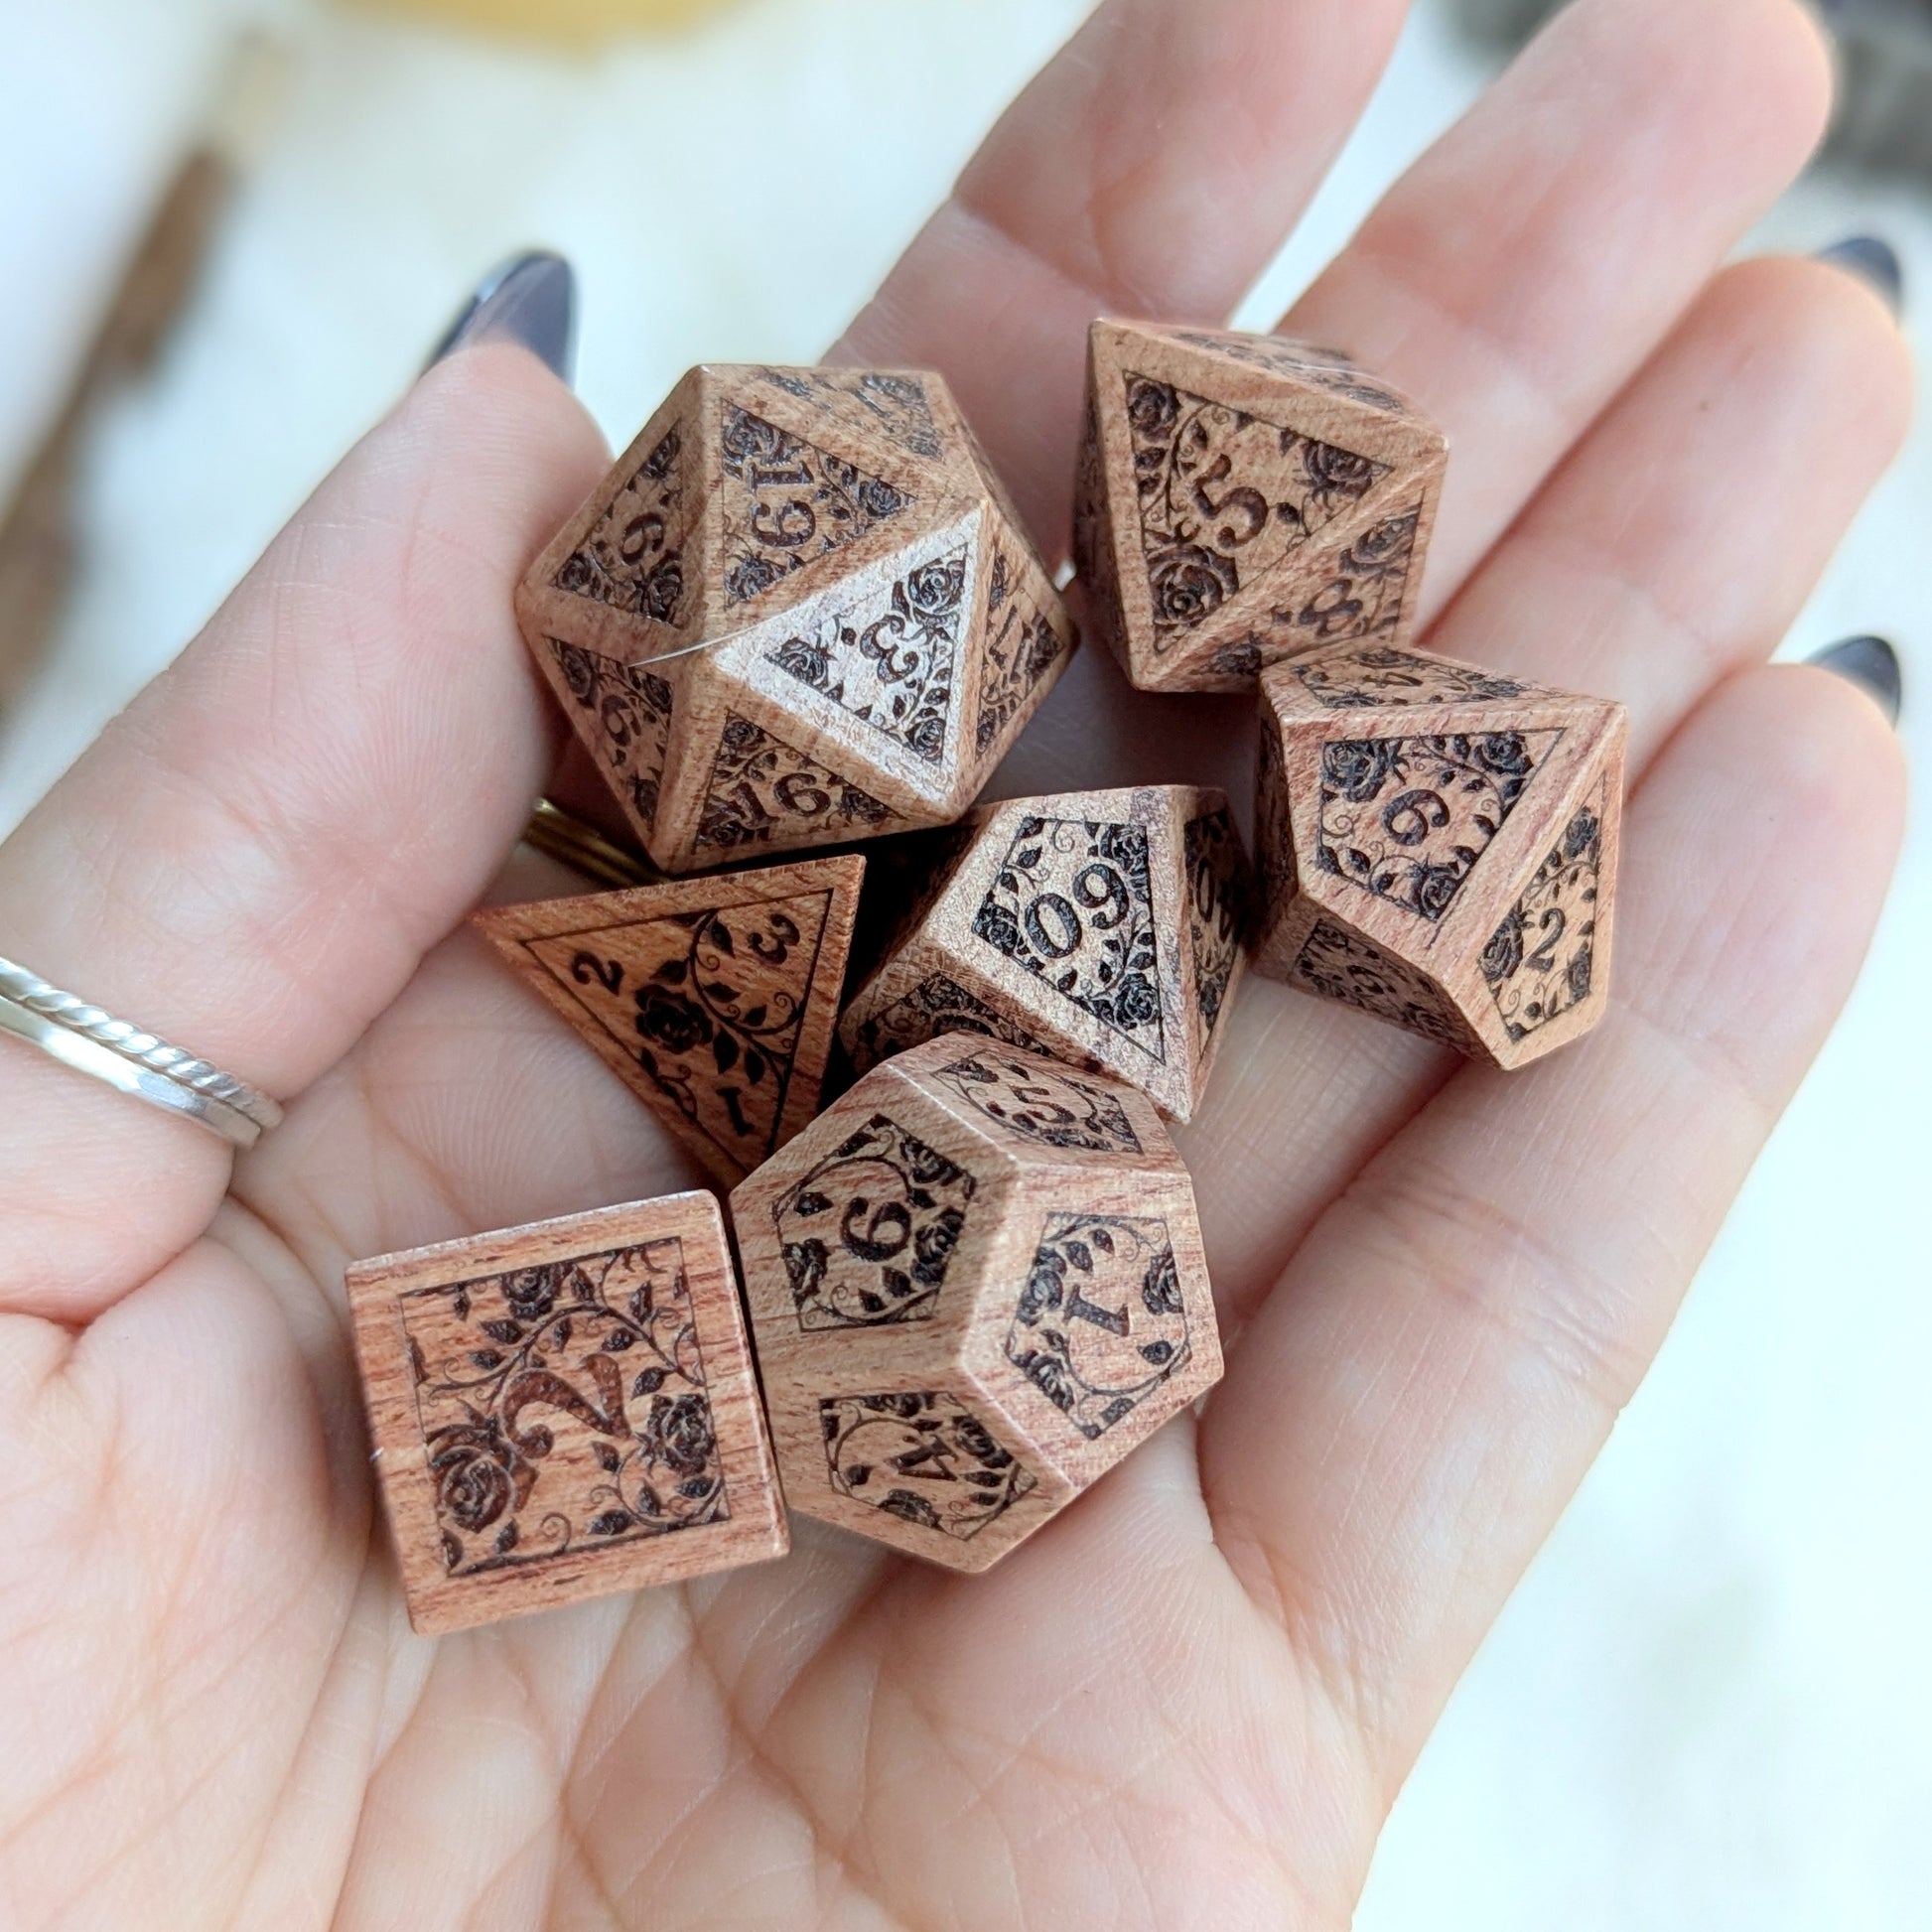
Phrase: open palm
(1193,1697)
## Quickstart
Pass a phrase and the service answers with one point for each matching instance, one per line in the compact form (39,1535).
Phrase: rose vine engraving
(634,558)
(1365,595)
(1539,963)
(1022,647)
(1339,966)
(925,1458)
(1046,1104)
(937,1005)
(765,792)
(1216,909)
(631,706)
(893,404)
(1375,676)
(1326,369)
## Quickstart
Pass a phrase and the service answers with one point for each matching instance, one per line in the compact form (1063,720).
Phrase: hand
(1191,1699)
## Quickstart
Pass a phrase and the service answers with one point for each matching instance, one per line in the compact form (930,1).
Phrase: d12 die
(1439,845)
(1106,928)
(977,1283)
(1244,499)
(800,611)
(565,1410)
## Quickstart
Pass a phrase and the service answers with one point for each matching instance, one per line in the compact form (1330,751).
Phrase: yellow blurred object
(572,20)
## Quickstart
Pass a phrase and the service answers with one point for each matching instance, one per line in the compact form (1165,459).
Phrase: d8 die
(799,610)
(565,1410)
(977,1283)
(1106,928)
(1439,845)
(1244,499)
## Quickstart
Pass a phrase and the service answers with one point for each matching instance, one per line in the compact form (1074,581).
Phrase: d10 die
(1244,499)
(1439,845)
(1105,929)
(565,1410)
(977,1283)
(799,610)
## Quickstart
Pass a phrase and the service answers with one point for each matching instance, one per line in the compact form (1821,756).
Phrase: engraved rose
(1379,551)
(677,1433)
(579,673)
(876,498)
(478,1475)
(1152,407)
(1190,582)
(1503,752)
(970,1434)
(1580,835)
(1433,888)
(1357,767)
(933,1246)
(532,1292)
(752,441)
(658,594)
(1579,974)
(934,589)
(1136,1002)
(671,1021)
(1336,473)
(1504,952)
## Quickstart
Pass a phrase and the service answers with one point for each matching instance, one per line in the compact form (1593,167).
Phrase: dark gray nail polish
(530,299)
(1872,665)
(1870,260)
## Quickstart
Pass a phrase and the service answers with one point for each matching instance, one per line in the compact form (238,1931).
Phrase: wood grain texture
(565,1410)
(1106,928)
(1244,499)
(714,998)
(865,626)
(1437,845)
(977,1283)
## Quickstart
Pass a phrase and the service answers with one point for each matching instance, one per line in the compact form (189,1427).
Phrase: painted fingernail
(1872,665)
(530,300)
(1873,261)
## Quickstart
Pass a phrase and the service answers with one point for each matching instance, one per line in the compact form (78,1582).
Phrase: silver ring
(130,1060)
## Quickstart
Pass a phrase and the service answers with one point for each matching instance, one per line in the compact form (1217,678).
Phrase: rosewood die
(714,998)
(1439,845)
(799,610)
(565,1410)
(1244,499)
(977,1283)
(1106,928)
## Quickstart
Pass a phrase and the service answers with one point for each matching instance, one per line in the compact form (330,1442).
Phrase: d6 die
(977,1283)
(1106,928)
(799,610)
(1244,499)
(1439,845)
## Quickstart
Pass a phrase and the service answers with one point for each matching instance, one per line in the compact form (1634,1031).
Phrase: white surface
(1705,1709)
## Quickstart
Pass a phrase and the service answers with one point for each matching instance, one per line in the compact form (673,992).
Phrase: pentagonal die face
(1243,500)
(1107,930)
(796,612)
(975,1284)
(1439,845)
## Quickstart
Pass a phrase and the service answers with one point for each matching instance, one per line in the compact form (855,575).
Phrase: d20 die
(565,1410)
(800,611)
(1106,928)
(1439,845)
(714,998)
(977,1283)
(1244,499)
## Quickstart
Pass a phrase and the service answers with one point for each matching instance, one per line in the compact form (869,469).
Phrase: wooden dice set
(801,612)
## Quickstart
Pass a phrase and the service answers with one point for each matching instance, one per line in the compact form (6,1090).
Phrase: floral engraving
(1022,647)
(634,558)
(1539,963)
(1072,904)
(1101,1322)
(1093,546)
(708,1003)
(891,403)
(787,502)
(1328,369)
(631,712)
(894,669)
(925,1458)
(1217,909)
(1364,596)
(1273,845)
(763,792)
(1341,966)
(564,1407)
(1374,677)
(937,1005)
(1225,498)
(1406,818)
(867,1233)
(1040,1102)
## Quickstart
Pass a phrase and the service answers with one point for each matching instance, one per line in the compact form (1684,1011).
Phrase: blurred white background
(1707,1708)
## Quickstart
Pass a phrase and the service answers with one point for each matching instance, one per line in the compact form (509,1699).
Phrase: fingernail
(1872,261)
(530,300)
(1872,665)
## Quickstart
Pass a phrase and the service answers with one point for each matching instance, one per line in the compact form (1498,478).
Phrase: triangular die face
(1377,677)
(784,503)
(893,659)
(1408,819)
(622,713)
(1071,903)
(1225,499)
(1022,647)
(896,404)
(1360,595)
(1541,962)
(763,792)
(634,557)
(1342,965)
(1324,369)
(707,1006)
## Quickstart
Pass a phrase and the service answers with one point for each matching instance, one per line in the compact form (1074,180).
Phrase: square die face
(562,1418)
